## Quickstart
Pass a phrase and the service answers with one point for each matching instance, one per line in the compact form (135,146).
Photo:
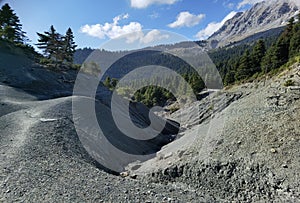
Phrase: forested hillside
(236,63)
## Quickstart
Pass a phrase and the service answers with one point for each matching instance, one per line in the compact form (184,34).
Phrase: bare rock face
(260,18)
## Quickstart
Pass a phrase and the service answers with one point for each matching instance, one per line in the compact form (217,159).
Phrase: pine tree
(244,70)
(55,45)
(10,27)
(60,49)
(295,40)
(43,42)
(278,54)
(283,43)
(196,83)
(229,78)
(257,55)
(52,44)
(69,46)
(271,60)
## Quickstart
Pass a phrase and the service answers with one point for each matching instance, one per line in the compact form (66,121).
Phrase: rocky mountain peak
(261,17)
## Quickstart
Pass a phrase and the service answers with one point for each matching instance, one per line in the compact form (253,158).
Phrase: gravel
(244,148)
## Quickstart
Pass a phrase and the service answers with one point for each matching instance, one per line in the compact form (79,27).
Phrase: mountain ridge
(261,17)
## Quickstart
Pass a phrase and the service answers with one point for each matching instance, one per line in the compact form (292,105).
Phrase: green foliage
(69,46)
(91,68)
(107,82)
(249,61)
(173,109)
(10,27)
(289,83)
(294,48)
(287,45)
(56,47)
(76,66)
(110,83)
(44,61)
(114,82)
(124,91)
(153,96)
(244,69)
(257,55)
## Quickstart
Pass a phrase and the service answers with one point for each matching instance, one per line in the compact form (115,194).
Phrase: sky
(95,22)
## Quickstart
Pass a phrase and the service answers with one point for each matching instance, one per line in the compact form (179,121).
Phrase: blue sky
(94,22)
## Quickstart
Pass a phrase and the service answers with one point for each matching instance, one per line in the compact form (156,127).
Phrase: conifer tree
(283,43)
(69,46)
(51,43)
(10,27)
(295,39)
(257,55)
(59,49)
(244,69)
(278,54)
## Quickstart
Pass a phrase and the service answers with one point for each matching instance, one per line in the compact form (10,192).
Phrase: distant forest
(236,64)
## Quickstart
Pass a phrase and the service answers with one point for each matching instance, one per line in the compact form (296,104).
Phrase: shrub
(289,83)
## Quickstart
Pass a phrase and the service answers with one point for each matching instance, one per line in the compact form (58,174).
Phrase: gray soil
(243,145)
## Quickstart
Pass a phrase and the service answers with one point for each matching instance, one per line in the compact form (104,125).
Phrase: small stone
(180,153)
(8,191)
(273,150)
(48,119)
(124,174)
(284,166)
(168,155)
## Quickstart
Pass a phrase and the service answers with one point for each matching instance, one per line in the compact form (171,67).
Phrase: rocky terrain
(261,18)
(250,151)
(239,144)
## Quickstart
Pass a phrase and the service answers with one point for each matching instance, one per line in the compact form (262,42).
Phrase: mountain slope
(243,148)
(261,17)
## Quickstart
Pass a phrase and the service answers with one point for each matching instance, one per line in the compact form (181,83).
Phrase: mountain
(261,18)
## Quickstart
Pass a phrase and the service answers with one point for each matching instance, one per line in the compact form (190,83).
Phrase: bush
(173,109)
(289,83)
(45,61)
(76,66)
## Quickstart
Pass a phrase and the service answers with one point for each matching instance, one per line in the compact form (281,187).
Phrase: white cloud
(152,36)
(146,3)
(248,2)
(212,27)
(111,30)
(131,32)
(186,19)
